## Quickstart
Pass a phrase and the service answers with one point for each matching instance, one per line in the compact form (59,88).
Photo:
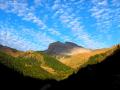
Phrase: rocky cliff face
(67,48)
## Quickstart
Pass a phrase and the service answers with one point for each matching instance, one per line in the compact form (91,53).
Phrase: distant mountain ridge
(67,48)
(5,48)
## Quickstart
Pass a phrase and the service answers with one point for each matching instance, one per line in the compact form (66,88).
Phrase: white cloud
(102,13)
(37,2)
(71,21)
(116,11)
(107,15)
(22,10)
(3,5)
(54,32)
(9,39)
(66,16)
(116,3)
(25,39)
(56,5)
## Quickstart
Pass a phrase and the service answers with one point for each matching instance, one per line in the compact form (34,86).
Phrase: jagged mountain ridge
(67,48)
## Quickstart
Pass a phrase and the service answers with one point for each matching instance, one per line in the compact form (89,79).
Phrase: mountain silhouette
(67,48)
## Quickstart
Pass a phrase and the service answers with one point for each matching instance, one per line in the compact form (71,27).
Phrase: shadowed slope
(12,80)
(104,75)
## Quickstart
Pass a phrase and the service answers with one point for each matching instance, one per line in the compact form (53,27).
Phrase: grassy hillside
(78,60)
(104,75)
(36,65)
(25,66)
(102,56)
(98,58)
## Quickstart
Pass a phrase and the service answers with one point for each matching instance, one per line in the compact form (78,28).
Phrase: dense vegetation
(54,63)
(96,59)
(38,65)
(30,66)
(25,66)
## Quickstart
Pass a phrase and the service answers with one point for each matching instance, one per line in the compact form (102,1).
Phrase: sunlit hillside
(77,61)
(38,64)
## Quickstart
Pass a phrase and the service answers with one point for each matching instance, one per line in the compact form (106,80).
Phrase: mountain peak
(65,44)
(67,48)
(72,44)
(56,43)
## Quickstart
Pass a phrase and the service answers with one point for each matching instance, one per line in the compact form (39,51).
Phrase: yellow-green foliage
(96,59)
(100,57)
(30,66)
(54,63)
(25,66)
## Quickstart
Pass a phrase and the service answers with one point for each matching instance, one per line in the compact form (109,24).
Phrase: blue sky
(34,24)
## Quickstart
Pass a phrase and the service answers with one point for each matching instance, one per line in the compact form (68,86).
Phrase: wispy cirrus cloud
(22,10)
(37,2)
(102,13)
(86,22)
(116,11)
(11,37)
(107,17)
(116,3)
(71,21)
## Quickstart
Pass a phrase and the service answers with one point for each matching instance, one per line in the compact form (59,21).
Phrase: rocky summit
(67,48)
